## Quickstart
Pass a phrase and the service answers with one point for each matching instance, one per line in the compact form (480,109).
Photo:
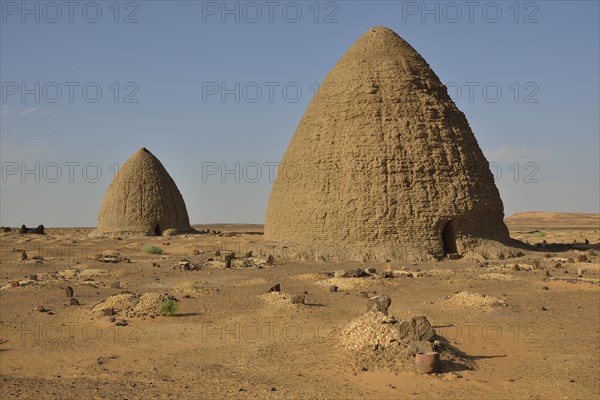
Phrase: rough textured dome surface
(383,163)
(142,200)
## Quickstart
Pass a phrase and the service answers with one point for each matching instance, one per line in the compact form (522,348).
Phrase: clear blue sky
(169,59)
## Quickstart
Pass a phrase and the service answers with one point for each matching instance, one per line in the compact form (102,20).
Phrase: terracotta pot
(427,362)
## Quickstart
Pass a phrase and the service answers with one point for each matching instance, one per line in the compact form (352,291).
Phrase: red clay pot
(427,362)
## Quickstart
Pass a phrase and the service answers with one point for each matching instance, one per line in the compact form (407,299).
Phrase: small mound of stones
(377,340)
(498,276)
(186,265)
(474,300)
(131,305)
(277,298)
(251,282)
(191,289)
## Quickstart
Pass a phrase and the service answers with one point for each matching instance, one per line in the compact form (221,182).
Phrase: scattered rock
(74,302)
(275,288)
(115,285)
(38,230)
(356,273)
(371,270)
(386,274)
(453,256)
(33,277)
(186,265)
(340,273)
(379,303)
(299,299)
(270,260)
(419,346)
(333,288)
(417,329)
(121,323)
(23,255)
(108,311)
(41,309)
(516,267)
(544,308)
(14,284)
(545,288)
(69,291)
(112,319)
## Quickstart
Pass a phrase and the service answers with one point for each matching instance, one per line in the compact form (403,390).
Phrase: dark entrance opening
(157,230)
(449,238)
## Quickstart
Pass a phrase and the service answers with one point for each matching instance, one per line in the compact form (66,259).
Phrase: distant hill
(535,220)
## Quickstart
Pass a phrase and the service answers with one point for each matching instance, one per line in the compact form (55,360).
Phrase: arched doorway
(449,238)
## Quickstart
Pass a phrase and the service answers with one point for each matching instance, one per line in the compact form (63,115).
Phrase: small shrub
(152,249)
(168,308)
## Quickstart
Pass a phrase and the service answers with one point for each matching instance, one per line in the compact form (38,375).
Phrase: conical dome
(142,200)
(383,163)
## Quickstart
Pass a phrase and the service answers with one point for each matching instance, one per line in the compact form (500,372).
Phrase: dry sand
(230,340)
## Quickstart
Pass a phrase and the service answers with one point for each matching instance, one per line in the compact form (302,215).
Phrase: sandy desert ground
(535,334)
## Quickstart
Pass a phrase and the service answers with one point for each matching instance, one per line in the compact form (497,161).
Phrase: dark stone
(419,346)
(69,291)
(275,288)
(379,303)
(227,262)
(115,285)
(23,256)
(122,323)
(299,299)
(333,288)
(39,230)
(386,274)
(112,319)
(74,302)
(417,329)
(32,277)
(545,288)
(248,254)
(356,273)
(108,311)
